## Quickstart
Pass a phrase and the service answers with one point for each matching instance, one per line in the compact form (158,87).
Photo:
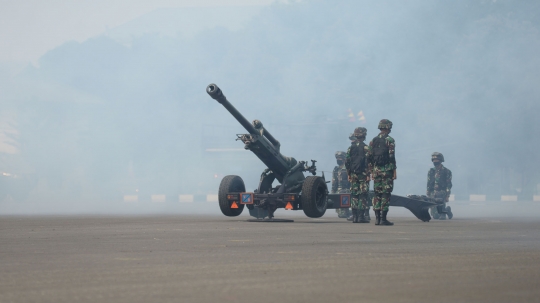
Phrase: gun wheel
(230,184)
(313,197)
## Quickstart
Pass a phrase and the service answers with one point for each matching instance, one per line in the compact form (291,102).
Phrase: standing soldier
(358,172)
(382,163)
(354,139)
(340,183)
(439,184)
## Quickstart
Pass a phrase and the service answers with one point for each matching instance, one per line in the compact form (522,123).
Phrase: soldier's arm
(366,168)
(348,161)
(392,153)
(369,157)
(449,185)
(429,189)
(334,180)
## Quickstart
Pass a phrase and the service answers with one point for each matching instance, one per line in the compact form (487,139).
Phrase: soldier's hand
(395,174)
(349,178)
(447,199)
(368,178)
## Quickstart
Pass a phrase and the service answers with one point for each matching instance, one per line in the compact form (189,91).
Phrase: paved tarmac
(212,258)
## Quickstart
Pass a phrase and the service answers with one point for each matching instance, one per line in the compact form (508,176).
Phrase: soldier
(439,184)
(366,210)
(382,164)
(358,172)
(340,184)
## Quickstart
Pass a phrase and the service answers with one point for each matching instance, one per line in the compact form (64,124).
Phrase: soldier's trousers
(359,192)
(441,195)
(383,185)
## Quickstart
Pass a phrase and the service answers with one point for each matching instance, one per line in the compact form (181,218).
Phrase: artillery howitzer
(294,192)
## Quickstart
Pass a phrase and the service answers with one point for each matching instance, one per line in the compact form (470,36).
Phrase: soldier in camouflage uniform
(341,184)
(382,162)
(366,210)
(358,172)
(439,185)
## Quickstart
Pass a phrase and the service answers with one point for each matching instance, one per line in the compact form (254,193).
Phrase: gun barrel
(260,141)
(271,138)
(215,92)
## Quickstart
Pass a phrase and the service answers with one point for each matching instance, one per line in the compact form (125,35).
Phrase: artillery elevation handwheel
(314,197)
(230,184)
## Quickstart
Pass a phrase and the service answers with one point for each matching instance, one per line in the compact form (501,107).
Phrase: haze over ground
(123,110)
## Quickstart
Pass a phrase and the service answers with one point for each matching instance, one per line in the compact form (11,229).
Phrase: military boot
(377,217)
(383,219)
(449,212)
(366,214)
(355,215)
(362,216)
(442,212)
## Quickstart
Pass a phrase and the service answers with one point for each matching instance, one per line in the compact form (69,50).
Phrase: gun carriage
(294,191)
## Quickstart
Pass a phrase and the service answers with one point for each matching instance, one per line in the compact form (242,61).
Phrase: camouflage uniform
(361,187)
(358,171)
(341,184)
(359,183)
(382,173)
(439,185)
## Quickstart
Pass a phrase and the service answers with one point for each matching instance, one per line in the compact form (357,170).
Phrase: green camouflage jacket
(391,144)
(348,158)
(439,179)
(339,179)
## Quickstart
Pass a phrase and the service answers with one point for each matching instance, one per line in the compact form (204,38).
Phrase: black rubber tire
(230,184)
(314,194)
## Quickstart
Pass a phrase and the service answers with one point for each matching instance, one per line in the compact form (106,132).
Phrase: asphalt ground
(212,258)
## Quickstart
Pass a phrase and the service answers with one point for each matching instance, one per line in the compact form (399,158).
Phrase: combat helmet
(340,155)
(437,156)
(360,132)
(385,124)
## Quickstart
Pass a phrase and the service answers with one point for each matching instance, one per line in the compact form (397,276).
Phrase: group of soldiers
(376,161)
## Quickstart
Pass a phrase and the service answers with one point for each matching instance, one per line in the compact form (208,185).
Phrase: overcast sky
(29,28)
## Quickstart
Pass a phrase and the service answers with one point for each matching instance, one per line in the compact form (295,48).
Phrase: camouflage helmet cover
(385,124)
(340,154)
(360,132)
(437,156)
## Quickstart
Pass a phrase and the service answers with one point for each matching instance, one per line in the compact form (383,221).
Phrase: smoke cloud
(111,117)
